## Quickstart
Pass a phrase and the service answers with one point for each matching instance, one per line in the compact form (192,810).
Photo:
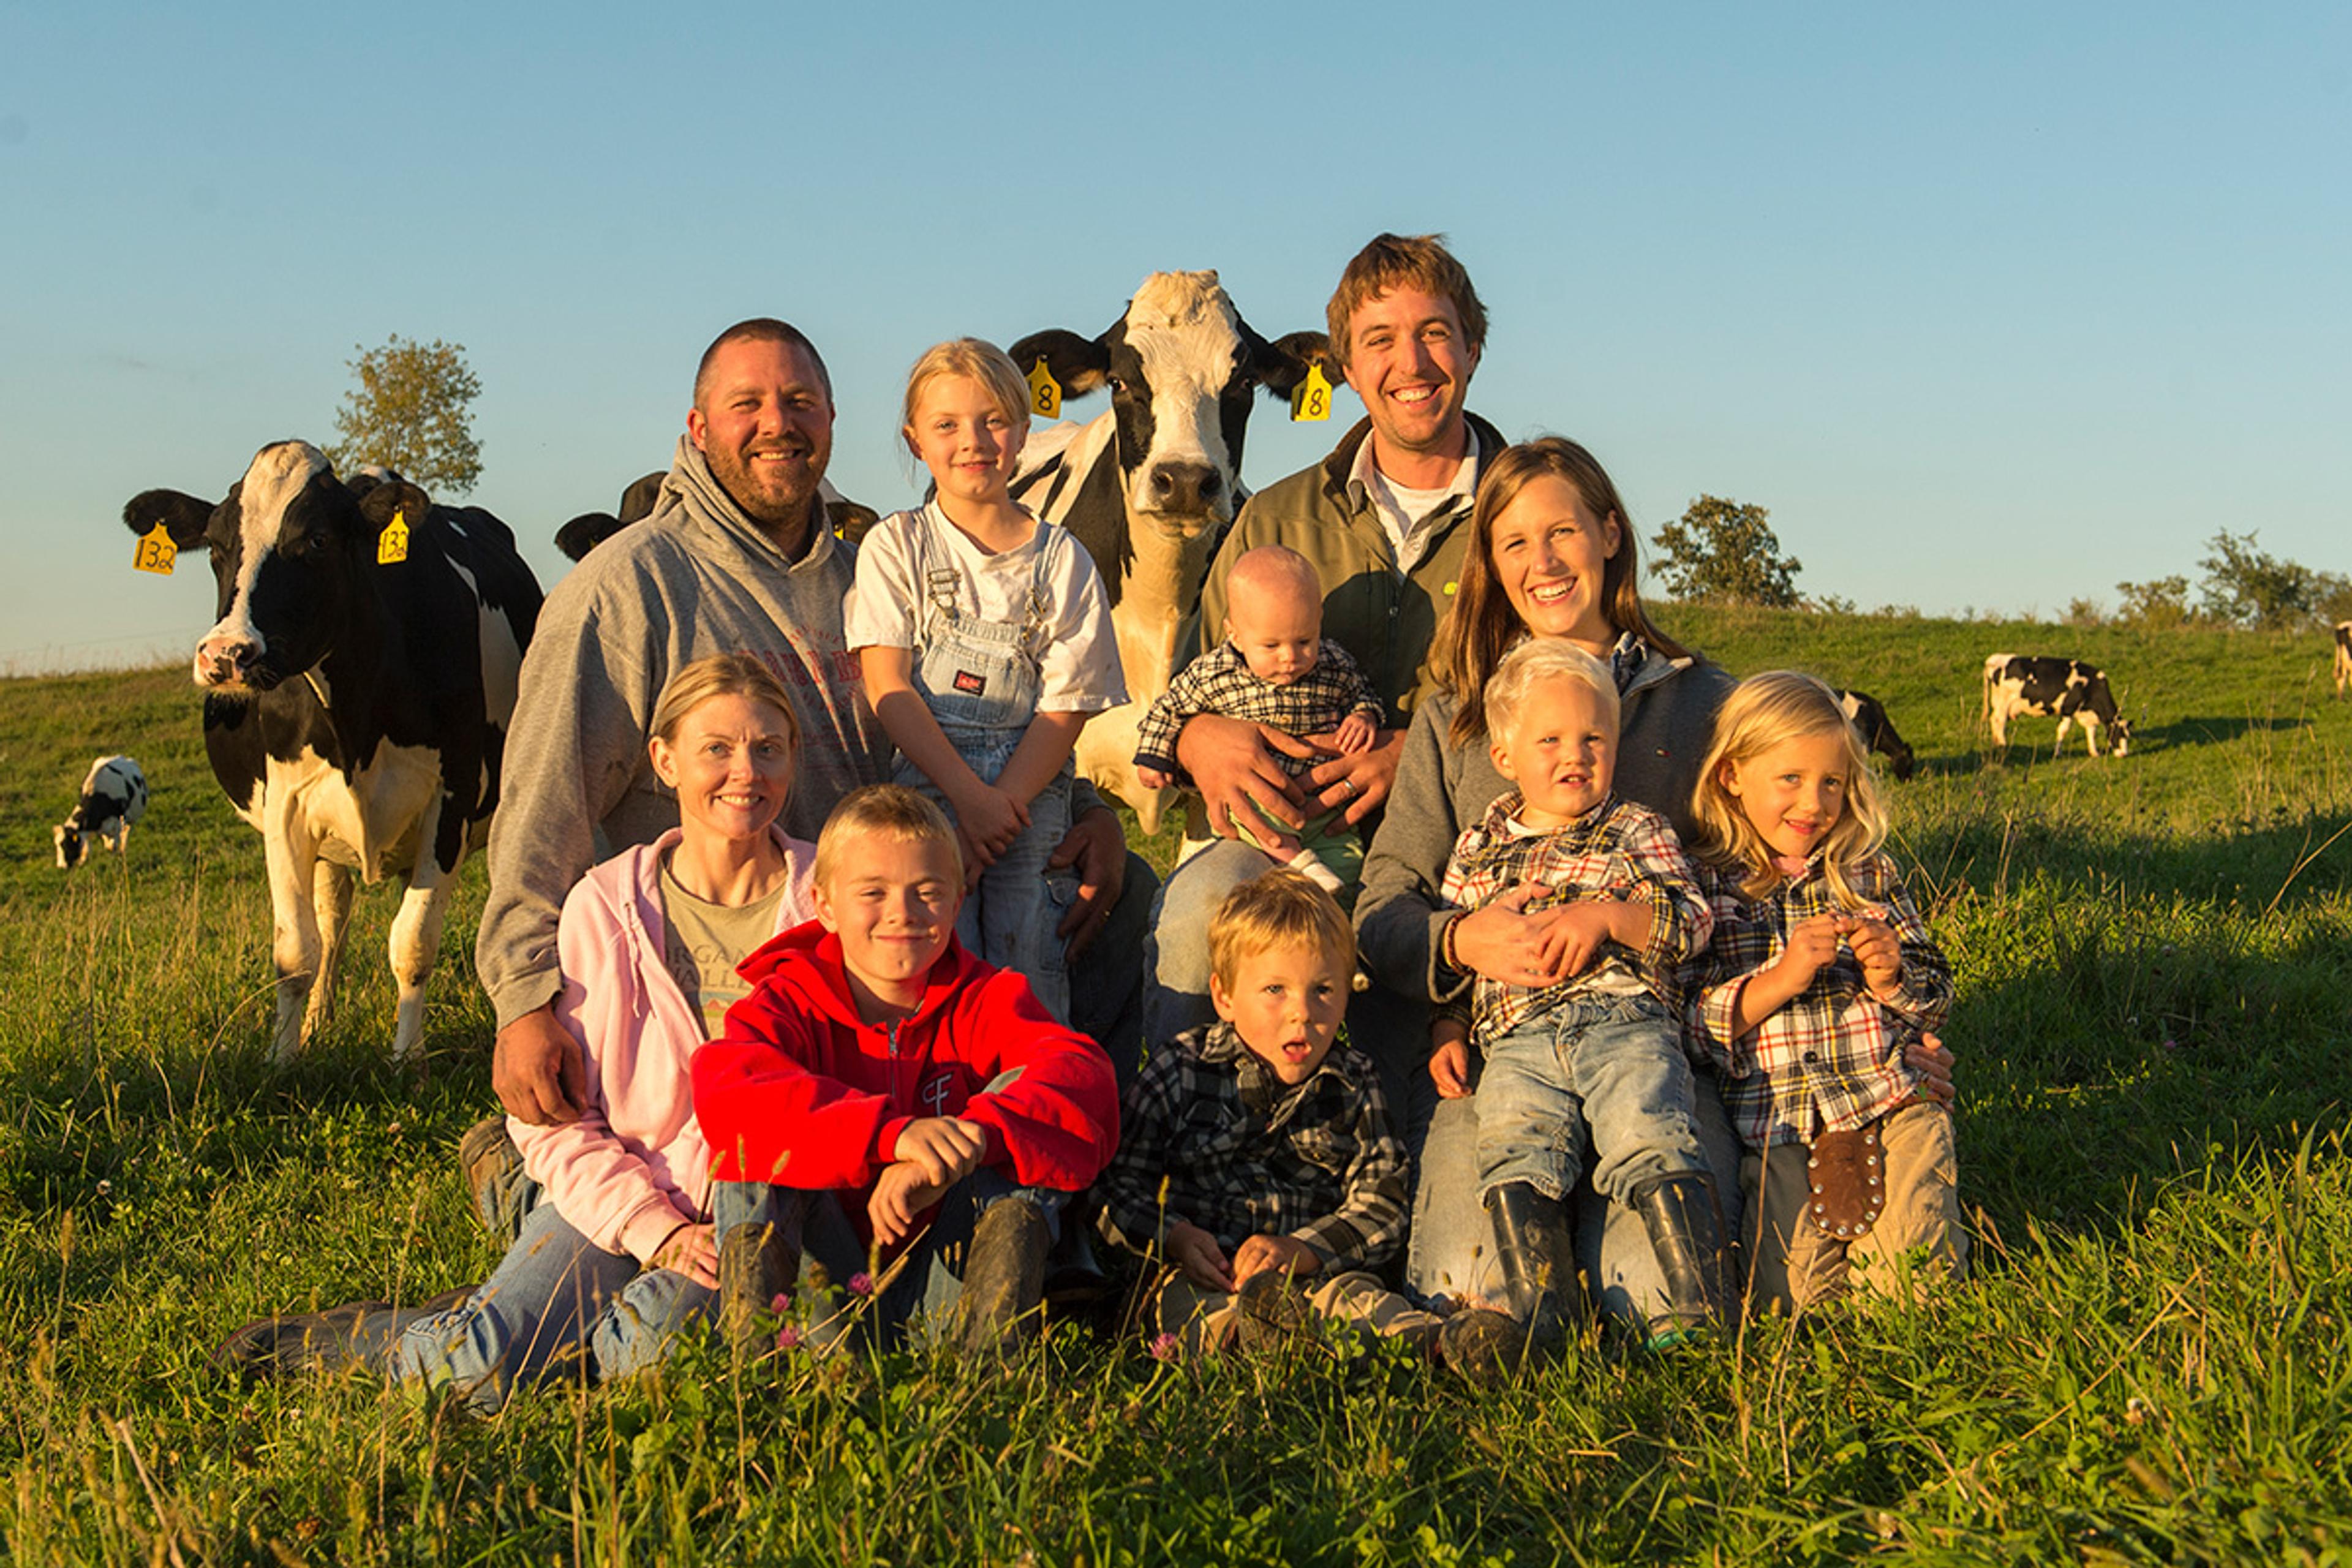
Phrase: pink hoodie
(634,1166)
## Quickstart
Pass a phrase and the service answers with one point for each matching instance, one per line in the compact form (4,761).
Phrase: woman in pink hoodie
(617,1255)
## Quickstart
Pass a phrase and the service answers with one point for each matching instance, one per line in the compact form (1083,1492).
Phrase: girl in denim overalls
(985,641)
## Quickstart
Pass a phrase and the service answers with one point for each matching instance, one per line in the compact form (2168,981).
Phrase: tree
(2247,585)
(1725,551)
(411,411)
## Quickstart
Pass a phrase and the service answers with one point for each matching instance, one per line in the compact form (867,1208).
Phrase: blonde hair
(1765,711)
(886,811)
(1393,261)
(721,675)
(1544,658)
(1277,909)
(984,363)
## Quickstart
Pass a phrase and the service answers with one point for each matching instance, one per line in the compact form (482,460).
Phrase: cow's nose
(1184,487)
(224,655)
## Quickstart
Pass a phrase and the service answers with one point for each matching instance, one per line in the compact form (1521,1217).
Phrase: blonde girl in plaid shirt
(1822,971)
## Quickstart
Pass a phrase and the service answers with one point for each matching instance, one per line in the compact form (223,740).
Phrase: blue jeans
(1603,1070)
(1009,919)
(556,1300)
(917,1300)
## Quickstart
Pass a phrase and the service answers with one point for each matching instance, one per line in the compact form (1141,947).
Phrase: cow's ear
(1080,364)
(184,517)
(638,500)
(1283,363)
(392,495)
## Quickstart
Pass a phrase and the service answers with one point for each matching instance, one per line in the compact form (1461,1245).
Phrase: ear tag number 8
(1311,400)
(1044,392)
(392,544)
(155,552)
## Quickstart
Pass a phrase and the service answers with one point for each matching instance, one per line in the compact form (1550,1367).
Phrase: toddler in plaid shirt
(1593,1055)
(1257,1160)
(1274,667)
(1821,973)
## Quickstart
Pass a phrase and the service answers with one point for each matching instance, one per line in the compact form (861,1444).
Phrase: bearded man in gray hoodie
(737,556)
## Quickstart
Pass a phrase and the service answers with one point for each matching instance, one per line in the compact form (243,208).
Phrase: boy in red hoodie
(882,1091)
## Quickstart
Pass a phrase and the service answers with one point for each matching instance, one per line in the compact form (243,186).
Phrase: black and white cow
(2075,692)
(2343,656)
(591,529)
(356,699)
(113,796)
(1868,717)
(1151,485)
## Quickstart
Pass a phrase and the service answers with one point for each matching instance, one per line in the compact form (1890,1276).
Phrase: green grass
(2154,958)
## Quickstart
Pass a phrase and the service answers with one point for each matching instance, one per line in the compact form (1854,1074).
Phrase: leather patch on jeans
(1846,1172)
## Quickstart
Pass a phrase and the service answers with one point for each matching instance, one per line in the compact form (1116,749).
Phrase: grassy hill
(2155,961)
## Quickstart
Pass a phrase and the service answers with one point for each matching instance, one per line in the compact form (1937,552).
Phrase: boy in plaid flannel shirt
(1257,1160)
(1594,1056)
(1820,972)
(1274,667)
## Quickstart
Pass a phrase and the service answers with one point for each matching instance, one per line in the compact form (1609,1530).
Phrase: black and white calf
(2075,692)
(357,689)
(2343,656)
(1151,485)
(1868,717)
(113,796)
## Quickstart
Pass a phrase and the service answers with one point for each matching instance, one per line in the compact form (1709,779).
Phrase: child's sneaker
(1004,1279)
(1309,865)
(1274,1312)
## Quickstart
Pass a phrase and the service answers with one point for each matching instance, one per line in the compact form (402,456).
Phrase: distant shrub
(1723,551)
(2246,585)
(2159,605)
(1830,604)
(2084,612)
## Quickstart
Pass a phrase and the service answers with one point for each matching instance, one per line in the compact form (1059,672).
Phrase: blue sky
(1992,306)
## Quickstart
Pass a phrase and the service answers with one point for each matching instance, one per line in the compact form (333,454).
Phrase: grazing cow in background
(113,796)
(1151,485)
(1868,717)
(2343,656)
(2076,693)
(591,529)
(357,688)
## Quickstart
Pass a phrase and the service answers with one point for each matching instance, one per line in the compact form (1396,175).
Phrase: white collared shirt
(1405,513)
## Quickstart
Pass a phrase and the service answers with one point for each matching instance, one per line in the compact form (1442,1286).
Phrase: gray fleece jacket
(1668,717)
(695,578)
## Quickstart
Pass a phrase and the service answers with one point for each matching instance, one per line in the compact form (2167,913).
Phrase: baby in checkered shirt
(1277,668)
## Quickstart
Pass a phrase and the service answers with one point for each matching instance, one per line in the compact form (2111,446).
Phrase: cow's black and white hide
(1868,717)
(113,796)
(2066,688)
(355,706)
(1150,485)
(2343,656)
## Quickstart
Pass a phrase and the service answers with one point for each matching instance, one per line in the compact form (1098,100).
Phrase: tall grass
(2155,961)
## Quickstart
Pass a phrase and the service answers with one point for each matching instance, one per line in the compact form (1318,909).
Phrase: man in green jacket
(1384,520)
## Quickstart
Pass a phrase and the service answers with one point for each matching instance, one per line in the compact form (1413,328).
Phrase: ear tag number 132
(1044,392)
(1311,400)
(155,552)
(392,544)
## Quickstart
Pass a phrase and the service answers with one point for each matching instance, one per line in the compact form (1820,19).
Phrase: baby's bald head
(1274,613)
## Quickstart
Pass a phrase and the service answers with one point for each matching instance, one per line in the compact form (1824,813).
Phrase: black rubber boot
(1686,1226)
(1004,1279)
(1538,1258)
(758,1265)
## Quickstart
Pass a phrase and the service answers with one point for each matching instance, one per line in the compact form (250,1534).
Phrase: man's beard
(761,500)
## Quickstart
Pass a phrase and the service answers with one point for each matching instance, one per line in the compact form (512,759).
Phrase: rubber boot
(1004,1279)
(1686,1226)
(759,1267)
(1538,1258)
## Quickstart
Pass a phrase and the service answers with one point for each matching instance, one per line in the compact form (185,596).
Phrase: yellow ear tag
(392,544)
(1044,392)
(1311,400)
(155,552)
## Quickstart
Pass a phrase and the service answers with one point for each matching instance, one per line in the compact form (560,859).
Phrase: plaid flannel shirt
(1240,1155)
(1618,850)
(1832,1059)
(1221,682)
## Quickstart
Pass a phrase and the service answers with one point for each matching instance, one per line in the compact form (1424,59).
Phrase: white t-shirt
(1079,670)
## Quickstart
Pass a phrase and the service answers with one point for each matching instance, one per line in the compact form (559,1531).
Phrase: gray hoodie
(694,579)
